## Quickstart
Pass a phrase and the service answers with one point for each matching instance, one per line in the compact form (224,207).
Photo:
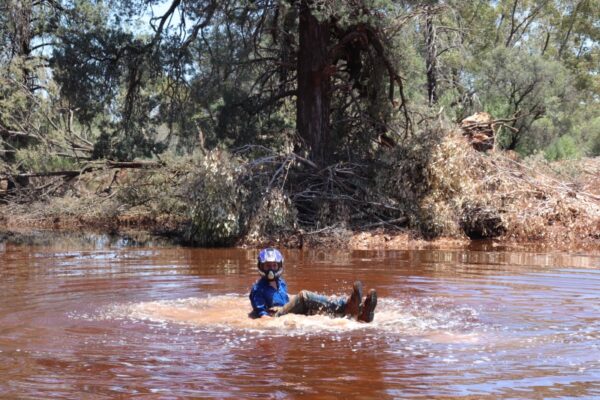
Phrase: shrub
(35,158)
(429,177)
(217,200)
(564,148)
(274,215)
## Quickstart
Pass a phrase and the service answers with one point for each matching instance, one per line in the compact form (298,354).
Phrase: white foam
(227,312)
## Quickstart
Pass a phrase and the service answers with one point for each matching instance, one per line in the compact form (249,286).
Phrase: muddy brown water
(105,321)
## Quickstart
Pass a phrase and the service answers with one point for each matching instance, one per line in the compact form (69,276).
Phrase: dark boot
(368,308)
(353,306)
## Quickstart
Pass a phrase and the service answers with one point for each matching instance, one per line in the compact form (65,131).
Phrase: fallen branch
(401,220)
(87,168)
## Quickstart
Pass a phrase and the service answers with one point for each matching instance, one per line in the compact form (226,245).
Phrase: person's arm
(259,305)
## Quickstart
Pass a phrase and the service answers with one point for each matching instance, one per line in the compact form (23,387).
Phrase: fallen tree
(19,185)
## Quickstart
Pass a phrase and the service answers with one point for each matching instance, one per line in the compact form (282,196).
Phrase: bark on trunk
(314,86)
(431,59)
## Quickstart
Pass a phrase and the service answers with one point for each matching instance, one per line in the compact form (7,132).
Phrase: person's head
(270,263)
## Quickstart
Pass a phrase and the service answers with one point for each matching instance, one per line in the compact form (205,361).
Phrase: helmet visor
(270,266)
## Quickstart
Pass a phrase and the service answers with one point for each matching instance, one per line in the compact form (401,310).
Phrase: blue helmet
(270,255)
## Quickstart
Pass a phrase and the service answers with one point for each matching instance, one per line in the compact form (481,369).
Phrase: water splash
(231,311)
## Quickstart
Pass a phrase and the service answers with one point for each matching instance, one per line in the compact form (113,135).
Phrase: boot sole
(369,310)
(356,290)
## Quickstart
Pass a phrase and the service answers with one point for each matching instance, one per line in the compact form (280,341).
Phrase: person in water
(269,295)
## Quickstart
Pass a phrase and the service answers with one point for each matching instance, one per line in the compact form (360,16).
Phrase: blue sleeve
(257,299)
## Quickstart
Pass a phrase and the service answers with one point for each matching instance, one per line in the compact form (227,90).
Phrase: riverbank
(436,193)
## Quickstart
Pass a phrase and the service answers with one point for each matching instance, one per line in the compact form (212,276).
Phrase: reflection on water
(81,240)
(111,320)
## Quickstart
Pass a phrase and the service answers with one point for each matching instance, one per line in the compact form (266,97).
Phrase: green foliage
(14,102)
(229,200)
(590,130)
(564,148)
(522,86)
(113,84)
(274,215)
(36,158)
(595,145)
(144,192)
(218,200)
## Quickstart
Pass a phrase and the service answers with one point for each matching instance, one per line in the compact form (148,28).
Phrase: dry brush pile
(210,198)
(448,189)
(433,185)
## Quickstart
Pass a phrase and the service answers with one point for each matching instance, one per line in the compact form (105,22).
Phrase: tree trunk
(314,86)
(431,59)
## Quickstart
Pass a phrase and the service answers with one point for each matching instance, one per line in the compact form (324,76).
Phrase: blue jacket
(263,296)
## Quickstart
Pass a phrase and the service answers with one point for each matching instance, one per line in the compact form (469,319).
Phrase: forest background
(223,120)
